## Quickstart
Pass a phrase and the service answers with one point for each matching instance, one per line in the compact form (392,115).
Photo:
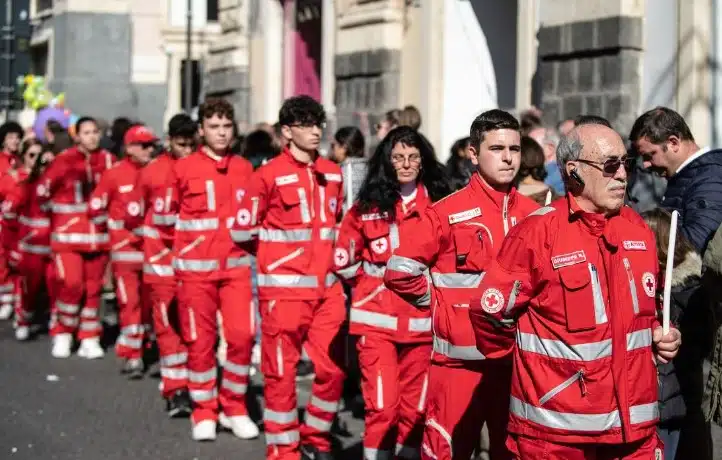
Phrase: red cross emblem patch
(380,245)
(649,283)
(340,257)
(492,301)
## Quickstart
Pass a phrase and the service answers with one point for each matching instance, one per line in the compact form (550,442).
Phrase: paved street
(92,413)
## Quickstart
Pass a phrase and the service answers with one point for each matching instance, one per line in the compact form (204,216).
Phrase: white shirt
(693,157)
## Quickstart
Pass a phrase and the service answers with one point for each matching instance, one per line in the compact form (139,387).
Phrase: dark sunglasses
(611,165)
(147,145)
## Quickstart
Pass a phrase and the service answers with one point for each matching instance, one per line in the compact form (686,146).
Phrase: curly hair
(301,110)
(381,189)
(215,106)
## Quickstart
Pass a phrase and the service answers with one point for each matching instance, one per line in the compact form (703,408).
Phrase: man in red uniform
(456,240)
(153,189)
(572,296)
(292,207)
(11,134)
(213,274)
(114,197)
(80,245)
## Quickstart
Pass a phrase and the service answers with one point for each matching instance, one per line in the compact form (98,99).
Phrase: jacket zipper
(505,214)
(312,202)
(632,286)
(578,376)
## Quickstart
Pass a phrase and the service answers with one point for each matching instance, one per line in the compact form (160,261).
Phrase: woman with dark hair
(259,148)
(459,165)
(395,337)
(29,225)
(532,172)
(348,149)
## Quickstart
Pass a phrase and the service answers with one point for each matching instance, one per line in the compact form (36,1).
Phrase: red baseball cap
(139,135)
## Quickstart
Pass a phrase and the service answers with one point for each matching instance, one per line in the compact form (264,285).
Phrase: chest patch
(492,301)
(634,245)
(332,204)
(373,216)
(565,260)
(285,180)
(332,177)
(159,204)
(341,257)
(649,283)
(464,215)
(380,245)
(125,188)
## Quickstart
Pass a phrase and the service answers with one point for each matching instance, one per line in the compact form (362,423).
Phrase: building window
(39,59)
(212,10)
(195,83)
(43,5)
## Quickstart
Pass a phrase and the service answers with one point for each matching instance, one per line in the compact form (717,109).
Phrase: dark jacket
(696,192)
(680,381)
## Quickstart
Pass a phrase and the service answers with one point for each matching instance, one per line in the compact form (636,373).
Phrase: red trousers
(172,350)
(198,303)
(524,448)
(79,282)
(460,400)
(287,326)
(36,271)
(394,382)
(134,311)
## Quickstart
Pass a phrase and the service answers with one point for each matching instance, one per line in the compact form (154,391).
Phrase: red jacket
(10,181)
(154,189)
(575,293)
(67,184)
(27,221)
(291,210)
(205,197)
(364,246)
(113,200)
(7,161)
(446,255)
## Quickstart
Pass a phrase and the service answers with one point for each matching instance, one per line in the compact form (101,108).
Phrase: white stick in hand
(668,272)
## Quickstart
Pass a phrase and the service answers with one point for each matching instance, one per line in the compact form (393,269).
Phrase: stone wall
(592,67)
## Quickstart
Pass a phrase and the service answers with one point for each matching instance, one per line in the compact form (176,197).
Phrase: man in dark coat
(694,174)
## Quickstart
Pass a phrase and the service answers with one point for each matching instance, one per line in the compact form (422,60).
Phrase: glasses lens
(147,145)
(611,166)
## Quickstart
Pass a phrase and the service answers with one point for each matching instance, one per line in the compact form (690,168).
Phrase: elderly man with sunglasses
(572,296)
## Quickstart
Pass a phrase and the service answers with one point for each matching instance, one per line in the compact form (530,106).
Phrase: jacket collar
(415,206)
(286,153)
(595,223)
(220,164)
(480,186)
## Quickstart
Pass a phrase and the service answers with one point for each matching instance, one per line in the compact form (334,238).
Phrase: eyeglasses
(611,165)
(308,125)
(413,159)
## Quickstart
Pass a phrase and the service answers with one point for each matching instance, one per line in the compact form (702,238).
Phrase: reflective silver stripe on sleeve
(63,208)
(405,265)
(134,256)
(467,353)
(39,222)
(114,224)
(284,236)
(644,413)
(147,232)
(330,280)
(557,349)
(80,238)
(457,280)
(284,438)
(600,312)
(211,193)
(195,265)
(373,270)
(266,280)
(305,212)
(279,417)
(196,225)
(349,272)
(639,339)
(241,236)
(419,324)
(158,270)
(369,318)
(33,249)
(164,219)
(241,261)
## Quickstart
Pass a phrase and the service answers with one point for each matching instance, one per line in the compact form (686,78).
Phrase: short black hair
(353,139)
(581,120)
(491,120)
(182,125)
(82,120)
(303,110)
(658,125)
(10,127)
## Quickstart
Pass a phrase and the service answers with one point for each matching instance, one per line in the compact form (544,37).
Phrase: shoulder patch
(288,179)
(543,211)
(125,188)
(464,215)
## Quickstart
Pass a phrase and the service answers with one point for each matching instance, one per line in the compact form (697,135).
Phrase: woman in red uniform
(29,225)
(394,344)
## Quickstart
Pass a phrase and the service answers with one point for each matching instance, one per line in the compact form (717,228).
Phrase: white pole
(668,272)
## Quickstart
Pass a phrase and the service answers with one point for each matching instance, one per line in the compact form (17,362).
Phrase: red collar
(286,153)
(479,185)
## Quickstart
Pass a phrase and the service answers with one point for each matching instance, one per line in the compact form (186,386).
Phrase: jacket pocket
(378,241)
(642,288)
(196,198)
(472,253)
(577,378)
(296,205)
(578,298)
